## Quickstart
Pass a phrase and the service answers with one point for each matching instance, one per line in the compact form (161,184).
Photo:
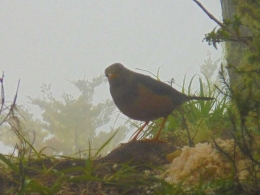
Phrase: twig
(2,93)
(211,16)
(12,105)
(232,32)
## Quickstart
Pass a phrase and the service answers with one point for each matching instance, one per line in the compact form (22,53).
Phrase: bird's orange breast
(148,105)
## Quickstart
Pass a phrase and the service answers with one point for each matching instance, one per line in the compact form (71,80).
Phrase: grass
(195,121)
(55,176)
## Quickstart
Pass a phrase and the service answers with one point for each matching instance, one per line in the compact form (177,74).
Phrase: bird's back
(144,98)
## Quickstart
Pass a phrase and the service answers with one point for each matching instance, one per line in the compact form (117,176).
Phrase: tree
(240,30)
(244,62)
(69,124)
(21,123)
(74,122)
(234,49)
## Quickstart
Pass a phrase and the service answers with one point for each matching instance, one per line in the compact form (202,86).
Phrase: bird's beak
(111,76)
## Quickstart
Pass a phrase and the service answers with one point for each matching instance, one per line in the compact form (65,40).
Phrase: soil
(124,165)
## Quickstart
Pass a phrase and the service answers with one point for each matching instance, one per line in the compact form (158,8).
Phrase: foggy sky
(56,41)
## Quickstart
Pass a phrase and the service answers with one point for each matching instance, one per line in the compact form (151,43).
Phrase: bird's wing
(161,88)
(156,86)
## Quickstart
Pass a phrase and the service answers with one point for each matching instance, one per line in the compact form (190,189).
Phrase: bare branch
(12,107)
(2,93)
(211,16)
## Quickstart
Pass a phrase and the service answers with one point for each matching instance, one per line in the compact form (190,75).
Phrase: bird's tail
(201,98)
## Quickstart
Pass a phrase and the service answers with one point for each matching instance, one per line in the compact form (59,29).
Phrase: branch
(2,93)
(211,16)
(233,33)
(12,107)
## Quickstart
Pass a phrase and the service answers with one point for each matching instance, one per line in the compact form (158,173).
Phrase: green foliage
(243,86)
(213,186)
(47,176)
(217,36)
(195,121)
(32,172)
(246,17)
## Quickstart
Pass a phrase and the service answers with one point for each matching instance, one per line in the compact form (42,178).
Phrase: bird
(143,98)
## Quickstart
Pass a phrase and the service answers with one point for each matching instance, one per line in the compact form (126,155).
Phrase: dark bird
(143,98)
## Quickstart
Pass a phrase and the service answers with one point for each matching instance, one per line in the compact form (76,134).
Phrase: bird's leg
(156,138)
(139,131)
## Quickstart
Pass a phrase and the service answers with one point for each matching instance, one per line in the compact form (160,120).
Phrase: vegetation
(233,115)
(31,171)
(67,125)
(243,112)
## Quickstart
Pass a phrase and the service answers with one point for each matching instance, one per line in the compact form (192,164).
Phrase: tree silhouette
(74,121)
(69,123)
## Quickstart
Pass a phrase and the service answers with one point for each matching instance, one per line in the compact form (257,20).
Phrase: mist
(56,42)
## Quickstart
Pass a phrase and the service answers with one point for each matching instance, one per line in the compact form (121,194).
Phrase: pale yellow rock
(204,162)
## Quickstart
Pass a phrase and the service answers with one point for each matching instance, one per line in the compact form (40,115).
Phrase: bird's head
(115,73)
